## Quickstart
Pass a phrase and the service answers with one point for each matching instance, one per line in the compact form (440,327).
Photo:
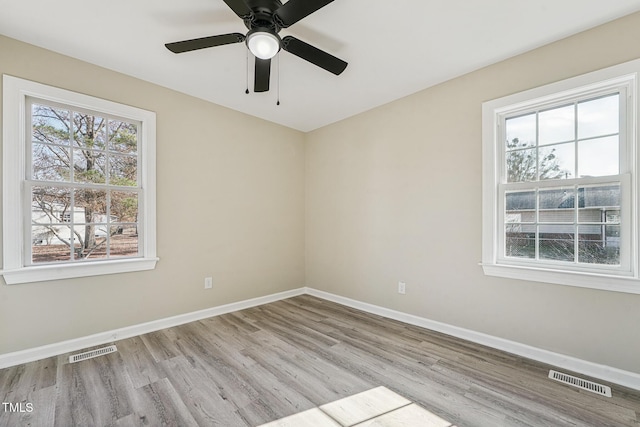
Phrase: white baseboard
(38,353)
(595,370)
(603,372)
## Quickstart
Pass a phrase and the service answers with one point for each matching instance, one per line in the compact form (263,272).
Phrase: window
(560,182)
(78,185)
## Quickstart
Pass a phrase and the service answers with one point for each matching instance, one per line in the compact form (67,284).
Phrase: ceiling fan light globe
(263,45)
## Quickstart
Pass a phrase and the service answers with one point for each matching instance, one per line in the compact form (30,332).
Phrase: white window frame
(15,216)
(624,278)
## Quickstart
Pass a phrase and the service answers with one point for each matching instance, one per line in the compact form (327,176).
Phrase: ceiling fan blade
(239,7)
(262,75)
(204,42)
(294,10)
(314,55)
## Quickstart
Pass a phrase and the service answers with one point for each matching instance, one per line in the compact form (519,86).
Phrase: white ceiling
(394,48)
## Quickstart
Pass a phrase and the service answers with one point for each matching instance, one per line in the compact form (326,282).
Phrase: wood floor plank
(93,392)
(318,380)
(532,414)
(161,344)
(41,413)
(20,380)
(159,404)
(139,363)
(265,363)
(206,401)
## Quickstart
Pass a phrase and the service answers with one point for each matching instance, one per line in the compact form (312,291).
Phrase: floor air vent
(93,353)
(580,383)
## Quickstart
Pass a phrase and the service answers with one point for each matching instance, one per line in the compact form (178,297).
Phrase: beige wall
(230,192)
(394,194)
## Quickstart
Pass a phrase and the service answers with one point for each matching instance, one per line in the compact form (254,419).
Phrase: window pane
(558,199)
(599,204)
(557,125)
(89,166)
(97,247)
(92,203)
(598,157)
(521,165)
(90,242)
(521,131)
(612,216)
(50,212)
(600,197)
(89,131)
(599,244)
(557,161)
(557,206)
(520,241)
(520,236)
(50,243)
(123,170)
(50,125)
(590,215)
(124,241)
(50,163)
(556,242)
(599,117)
(123,137)
(50,205)
(124,206)
(522,200)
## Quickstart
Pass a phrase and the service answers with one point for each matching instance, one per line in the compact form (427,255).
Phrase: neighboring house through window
(560,182)
(79,184)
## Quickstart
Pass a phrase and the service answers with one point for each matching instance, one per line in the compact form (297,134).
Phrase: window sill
(68,271)
(603,282)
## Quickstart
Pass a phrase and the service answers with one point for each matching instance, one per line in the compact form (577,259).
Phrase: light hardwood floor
(265,363)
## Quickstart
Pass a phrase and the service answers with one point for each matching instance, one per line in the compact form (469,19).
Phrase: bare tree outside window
(523,166)
(84,181)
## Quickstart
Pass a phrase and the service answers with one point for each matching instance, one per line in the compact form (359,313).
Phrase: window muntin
(83,186)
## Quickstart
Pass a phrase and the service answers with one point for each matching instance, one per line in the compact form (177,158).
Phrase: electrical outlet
(402,288)
(208,282)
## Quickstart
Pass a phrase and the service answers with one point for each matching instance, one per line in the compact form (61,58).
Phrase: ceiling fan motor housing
(263,15)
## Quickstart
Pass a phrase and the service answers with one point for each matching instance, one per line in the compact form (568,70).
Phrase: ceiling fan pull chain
(278,72)
(247,73)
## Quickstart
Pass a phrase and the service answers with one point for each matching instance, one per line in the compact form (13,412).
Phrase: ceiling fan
(265,19)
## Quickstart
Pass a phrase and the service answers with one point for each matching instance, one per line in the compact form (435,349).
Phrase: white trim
(630,285)
(627,277)
(43,273)
(13,108)
(15,221)
(55,349)
(603,372)
(595,370)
